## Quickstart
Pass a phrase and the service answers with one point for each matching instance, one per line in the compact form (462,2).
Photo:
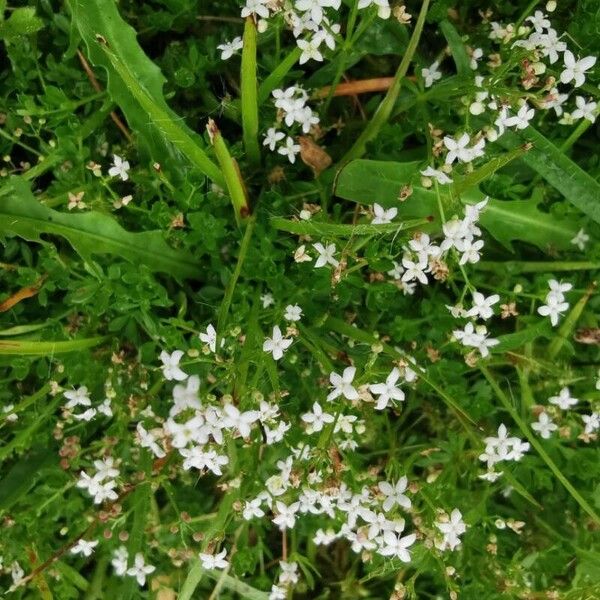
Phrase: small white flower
(326,255)
(277,344)
(120,168)
(255,7)
(415,269)
(119,561)
(397,546)
(317,418)
(84,547)
(210,337)
(228,49)
(585,109)
(310,50)
(592,422)
(452,530)
(286,515)
(564,400)
(290,149)
(482,306)
(581,239)
(214,561)
(77,397)
(544,425)
(148,440)
(383,216)
(394,494)
(140,569)
(522,118)
(575,70)
(292,313)
(431,74)
(554,308)
(387,391)
(170,366)
(342,385)
(272,138)
(439,176)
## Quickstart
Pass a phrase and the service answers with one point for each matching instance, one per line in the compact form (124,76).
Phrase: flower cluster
(555,303)
(501,448)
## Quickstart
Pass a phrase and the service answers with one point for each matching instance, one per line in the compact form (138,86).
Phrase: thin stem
(538,446)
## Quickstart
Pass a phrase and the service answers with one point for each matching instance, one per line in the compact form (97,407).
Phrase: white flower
(140,569)
(148,440)
(554,308)
(482,306)
(564,400)
(119,561)
(277,593)
(539,21)
(457,149)
(214,561)
(581,239)
(451,530)
(470,251)
(592,422)
(106,407)
(289,573)
(544,425)
(342,385)
(397,546)
(326,255)
(252,509)
(439,176)
(291,149)
(84,547)
(286,515)
(415,269)
(314,8)
(310,50)
(255,7)
(170,366)
(292,312)
(431,74)
(317,418)
(277,344)
(210,337)
(267,300)
(241,421)
(383,7)
(394,494)
(397,271)
(585,109)
(272,138)
(522,118)
(228,49)
(105,469)
(120,168)
(77,397)
(383,216)
(576,69)
(387,391)
(185,397)
(475,57)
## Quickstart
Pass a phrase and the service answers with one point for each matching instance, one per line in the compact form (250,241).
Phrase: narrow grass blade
(45,348)
(249,93)
(457,48)
(278,75)
(384,110)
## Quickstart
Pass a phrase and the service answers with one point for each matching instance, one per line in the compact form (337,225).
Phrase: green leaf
(23,475)
(511,341)
(22,21)
(579,188)
(367,181)
(89,233)
(45,348)
(135,83)
(457,47)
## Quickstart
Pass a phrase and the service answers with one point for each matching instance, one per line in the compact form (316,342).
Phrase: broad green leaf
(135,83)
(579,188)
(367,181)
(90,233)
(511,341)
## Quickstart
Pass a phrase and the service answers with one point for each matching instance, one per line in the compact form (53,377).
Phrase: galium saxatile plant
(353,354)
